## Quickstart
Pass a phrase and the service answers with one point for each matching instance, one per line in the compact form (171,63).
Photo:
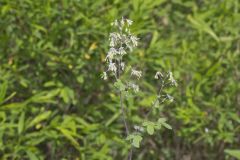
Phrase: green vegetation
(54,104)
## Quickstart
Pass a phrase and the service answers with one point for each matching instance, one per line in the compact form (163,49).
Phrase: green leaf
(113,118)
(166,125)
(150,129)
(136,141)
(21,123)
(67,95)
(69,135)
(3,90)
(161,120)
(45,96)
(31,155)
(234,153)
(14,106)
(130,137)
(39,118)
(202,26)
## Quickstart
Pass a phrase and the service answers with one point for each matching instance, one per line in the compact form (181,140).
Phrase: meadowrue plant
(123,42)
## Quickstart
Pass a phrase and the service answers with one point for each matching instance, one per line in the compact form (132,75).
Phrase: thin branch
(123,114)
(158,96)
(130,153)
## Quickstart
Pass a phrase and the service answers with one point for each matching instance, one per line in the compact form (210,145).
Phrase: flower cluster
(121,42)
(136,73)
(166,80)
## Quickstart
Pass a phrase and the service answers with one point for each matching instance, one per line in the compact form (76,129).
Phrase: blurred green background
(55,106)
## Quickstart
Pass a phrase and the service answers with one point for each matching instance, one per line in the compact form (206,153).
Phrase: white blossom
(138,128)
(136,73)
(121,51)
(134,40)
(171,79)
(121,42)
(129,22)
(122,22)
(114,39)
(112,67)
(134,87)
(111,53)
(104,76)
(122,65)
(128,44)
(112,43)
(158,75)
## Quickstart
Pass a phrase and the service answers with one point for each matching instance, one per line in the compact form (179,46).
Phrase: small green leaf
(21,123)
(3,90)
(150,129)
(69,135)
(166,125)
(161,120)
(39,118)
(136,141)
(130,137)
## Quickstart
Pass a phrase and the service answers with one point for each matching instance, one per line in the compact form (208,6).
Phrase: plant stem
(125,124)
(158,96)
(130,153)
(123,114)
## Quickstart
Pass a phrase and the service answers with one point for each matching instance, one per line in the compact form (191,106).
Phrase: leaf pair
(152,126)
(135,139)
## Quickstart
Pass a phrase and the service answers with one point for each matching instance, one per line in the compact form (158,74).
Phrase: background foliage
(53,104)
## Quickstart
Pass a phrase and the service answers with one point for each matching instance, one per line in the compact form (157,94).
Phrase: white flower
(134,87)
(171,79)
(138,128)
(114,38)
(136,73)
(121,51)
(129,22)
(122,22)
(111,53)
(128,44)
(112,67)
(104,76)
(122,65)
(112,43)
(134,40)
(158,75)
